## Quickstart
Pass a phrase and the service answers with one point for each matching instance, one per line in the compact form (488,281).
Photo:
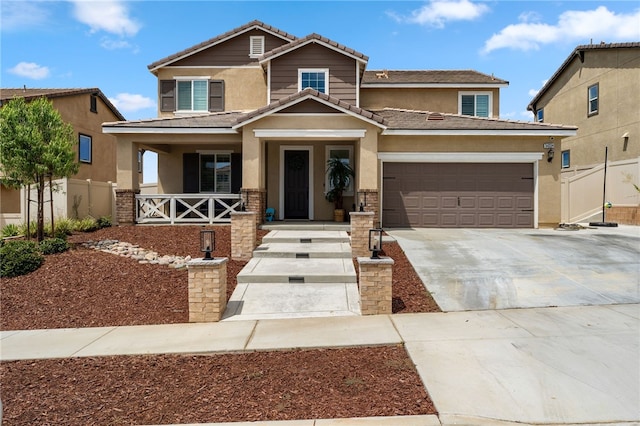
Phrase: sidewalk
(544,365)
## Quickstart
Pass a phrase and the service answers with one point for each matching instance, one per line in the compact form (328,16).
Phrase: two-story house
(89,192)
(255,113)
(597,88)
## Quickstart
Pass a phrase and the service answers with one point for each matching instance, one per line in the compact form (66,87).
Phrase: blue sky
(108,44)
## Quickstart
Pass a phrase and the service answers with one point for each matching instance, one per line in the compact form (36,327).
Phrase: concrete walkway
(571,365)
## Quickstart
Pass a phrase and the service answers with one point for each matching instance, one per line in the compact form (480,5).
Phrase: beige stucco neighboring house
(89,192)
(252,116)
(597,89)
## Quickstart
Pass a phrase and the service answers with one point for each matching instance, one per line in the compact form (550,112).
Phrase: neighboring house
(89,192)
(256,113)
(597,88)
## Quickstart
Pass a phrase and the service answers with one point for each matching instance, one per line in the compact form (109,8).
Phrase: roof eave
(110,128)
(432,85)
(479,132)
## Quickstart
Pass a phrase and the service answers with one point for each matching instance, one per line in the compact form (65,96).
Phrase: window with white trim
(476,104)
(593,97)
(317,79)
(566,159)
(256,46)
(84,148)
(215,173)
(345,154)
(193,95)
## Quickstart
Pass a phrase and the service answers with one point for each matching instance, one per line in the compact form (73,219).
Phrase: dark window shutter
(236,173)
(216,95)
(168,95)
(190,172)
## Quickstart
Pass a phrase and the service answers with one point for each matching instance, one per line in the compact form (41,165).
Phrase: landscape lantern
(375,242)
(207,242)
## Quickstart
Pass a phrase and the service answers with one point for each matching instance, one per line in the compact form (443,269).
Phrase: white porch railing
(186,208)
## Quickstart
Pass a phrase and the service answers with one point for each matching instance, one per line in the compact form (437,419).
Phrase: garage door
(458,195)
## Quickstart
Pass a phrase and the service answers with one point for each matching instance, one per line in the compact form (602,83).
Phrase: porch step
(306,237)
(298,270)
(306,226)
(303,250)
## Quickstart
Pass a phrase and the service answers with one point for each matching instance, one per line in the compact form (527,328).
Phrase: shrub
(64,227)
(10,230)
(88,224)
(53,245)
(19,258)
(33,228)
(104,222)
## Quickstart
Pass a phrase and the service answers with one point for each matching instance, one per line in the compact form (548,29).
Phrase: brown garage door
(458,195)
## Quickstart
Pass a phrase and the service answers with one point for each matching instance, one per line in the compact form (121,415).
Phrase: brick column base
(126,206)
(256,202)
(375,285)
(243,235)
(361,223)
(372,204)
(207,289)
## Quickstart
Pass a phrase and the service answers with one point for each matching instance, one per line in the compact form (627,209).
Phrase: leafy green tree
(36,146)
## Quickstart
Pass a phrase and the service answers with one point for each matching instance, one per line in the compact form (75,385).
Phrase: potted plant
(340,174)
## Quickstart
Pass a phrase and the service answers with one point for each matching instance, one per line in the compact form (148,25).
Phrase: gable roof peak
(312,38)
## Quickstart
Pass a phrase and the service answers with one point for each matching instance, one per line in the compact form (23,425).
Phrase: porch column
(367,174)
(253,176)
(127,181)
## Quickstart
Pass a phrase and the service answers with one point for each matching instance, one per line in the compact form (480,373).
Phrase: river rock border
(135,252)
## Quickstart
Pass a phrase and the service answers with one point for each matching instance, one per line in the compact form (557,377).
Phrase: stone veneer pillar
(361,223)
(626,215)
(126,206)
(375,285)
(243,235)
(256,202)
(207,289)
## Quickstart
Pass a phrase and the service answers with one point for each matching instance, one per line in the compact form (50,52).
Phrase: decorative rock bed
(137,253)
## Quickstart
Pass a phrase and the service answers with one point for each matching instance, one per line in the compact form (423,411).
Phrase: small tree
(35,147)
(340,175)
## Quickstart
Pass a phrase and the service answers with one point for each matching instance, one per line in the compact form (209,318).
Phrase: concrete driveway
(477,269)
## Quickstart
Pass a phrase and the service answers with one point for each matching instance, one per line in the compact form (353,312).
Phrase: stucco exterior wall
(245,89)
(421,99)
(617,72)
(75,110)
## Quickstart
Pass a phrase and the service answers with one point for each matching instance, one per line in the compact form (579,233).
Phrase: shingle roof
(210,120)
(308,92)
(401,119)
(311,38)
(29,94)
(578,53)
(217,39)
(429,77)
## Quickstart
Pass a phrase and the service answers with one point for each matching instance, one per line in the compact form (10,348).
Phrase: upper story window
(256,46)
(477,104)
(84,148)
(93,103)
(540,115)
(594,96)
(317,79)
(192,95)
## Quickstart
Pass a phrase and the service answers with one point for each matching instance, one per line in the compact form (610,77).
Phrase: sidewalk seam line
(250,337)
(93,341)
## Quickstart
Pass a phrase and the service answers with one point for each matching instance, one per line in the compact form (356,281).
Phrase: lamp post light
(207,243)
(375,242)
(362,198)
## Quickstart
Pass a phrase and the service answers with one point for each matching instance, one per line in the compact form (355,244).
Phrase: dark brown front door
(296,184)
(458,195)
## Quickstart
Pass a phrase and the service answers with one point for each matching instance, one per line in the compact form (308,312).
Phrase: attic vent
(256,46)
(435,116)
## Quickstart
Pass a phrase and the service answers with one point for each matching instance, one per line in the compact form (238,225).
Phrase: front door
(296,184)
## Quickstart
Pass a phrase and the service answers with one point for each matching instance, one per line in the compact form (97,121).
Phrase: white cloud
(533,92)
(30,70)
(572,26)
(22,15)
(438,12)
(128,102)
(111,16)
(111,44)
